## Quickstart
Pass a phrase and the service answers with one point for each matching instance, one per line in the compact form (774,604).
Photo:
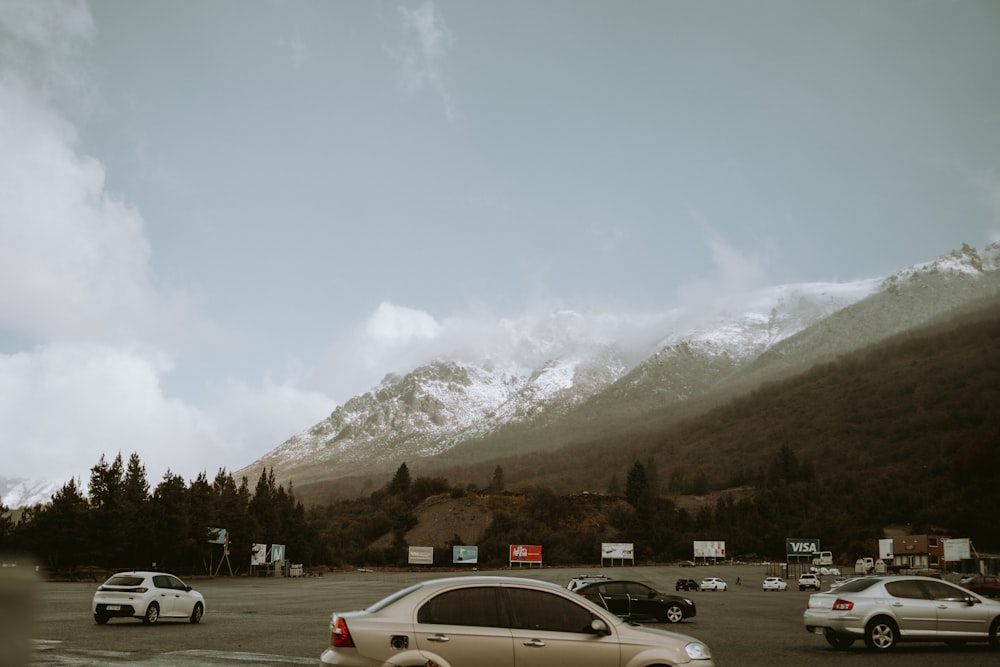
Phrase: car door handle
(535,643)
(439,638)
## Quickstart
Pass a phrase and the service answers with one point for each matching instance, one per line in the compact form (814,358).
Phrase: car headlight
(697,651)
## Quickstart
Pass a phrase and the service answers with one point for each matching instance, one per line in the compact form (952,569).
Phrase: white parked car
(886,610)
(149,596)
(713,584)
(775,584)
(808,580)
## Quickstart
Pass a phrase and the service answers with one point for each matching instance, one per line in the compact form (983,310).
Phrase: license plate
(819,631)
(114,607)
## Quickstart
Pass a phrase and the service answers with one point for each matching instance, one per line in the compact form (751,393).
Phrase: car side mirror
(600,627)
(187,589)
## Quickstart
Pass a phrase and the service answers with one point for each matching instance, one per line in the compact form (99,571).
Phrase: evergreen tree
(400,483)
(496,484)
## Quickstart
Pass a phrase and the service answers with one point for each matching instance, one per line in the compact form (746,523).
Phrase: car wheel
(152,613)
(674,614)
(995,633)
(101,619)
(880,634)
(197,613)
(839,642)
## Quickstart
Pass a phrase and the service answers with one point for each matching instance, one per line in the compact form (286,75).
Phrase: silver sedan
(499,622)
(886,610)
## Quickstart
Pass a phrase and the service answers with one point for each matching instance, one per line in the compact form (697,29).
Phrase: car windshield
(857,585)
(124,580)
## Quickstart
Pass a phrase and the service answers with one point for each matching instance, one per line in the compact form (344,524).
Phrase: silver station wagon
(499,622)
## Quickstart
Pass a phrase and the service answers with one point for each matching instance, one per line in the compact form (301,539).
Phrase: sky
(221,219)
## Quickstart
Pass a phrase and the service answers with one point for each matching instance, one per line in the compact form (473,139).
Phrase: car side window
(174,582)
(637,590)
(616,588)
(160,581)
(907,588)
(941,591)
(465,606)
(538,610)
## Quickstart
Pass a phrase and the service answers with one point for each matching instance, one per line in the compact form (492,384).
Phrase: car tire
(152,614)
(995,633)
(674,614)
(880,634)
(197,613)
(101,619)
(839,642)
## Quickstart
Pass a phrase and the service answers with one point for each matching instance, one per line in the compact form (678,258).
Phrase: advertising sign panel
(957,548)
(277,552)
(464,554)
(218,536)
(710,549)
(801,546)
(420,556)
(258,554)
(526,553)
(622,550)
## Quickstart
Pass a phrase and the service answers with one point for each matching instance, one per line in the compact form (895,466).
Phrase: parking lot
(285,621)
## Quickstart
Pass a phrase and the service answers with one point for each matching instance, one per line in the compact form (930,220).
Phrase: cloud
(736,273)
(422,57)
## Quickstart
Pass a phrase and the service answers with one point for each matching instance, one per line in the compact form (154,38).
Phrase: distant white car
(713,584)
(775,584)
(808,580)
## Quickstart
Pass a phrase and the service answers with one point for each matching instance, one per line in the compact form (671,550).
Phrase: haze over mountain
(557,382)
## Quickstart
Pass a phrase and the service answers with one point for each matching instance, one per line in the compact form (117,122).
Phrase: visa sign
(800,547)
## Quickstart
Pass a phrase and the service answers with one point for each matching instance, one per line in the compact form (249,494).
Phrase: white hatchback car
(775,584)
(149,596)
(713,584)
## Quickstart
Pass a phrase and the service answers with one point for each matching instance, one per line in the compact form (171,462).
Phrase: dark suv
(633,600)
(686,585)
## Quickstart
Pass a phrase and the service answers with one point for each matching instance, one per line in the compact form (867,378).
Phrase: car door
(465,627)
(165,595)
(955,616)
(549,629)
(614,596)
(643,600)
(915,612)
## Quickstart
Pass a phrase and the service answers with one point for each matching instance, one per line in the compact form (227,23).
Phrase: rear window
(857,585)
(124,580)
(395,597)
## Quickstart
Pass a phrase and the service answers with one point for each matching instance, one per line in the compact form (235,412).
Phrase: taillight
(843,605)
(340,636)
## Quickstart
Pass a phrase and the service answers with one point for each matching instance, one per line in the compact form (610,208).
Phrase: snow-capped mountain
(565,369)
(16,493)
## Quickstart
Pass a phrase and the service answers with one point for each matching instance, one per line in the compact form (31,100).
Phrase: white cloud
(736,273)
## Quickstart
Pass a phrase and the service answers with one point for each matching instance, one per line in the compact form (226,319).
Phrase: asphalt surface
(276,621)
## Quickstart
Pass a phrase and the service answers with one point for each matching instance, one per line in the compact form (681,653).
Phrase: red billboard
(526,553)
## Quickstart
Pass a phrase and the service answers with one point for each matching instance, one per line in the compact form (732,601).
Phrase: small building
(918,552)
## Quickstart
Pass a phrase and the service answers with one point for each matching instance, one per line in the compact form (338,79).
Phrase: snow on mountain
(15,493)
(548,368)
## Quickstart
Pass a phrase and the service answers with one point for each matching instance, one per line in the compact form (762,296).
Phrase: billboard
(218,536)
(710,549)
(420,556)
(617,550)
(464,554)
(526,553)
(277,552)
(801,546)
(258,554)
(957,549)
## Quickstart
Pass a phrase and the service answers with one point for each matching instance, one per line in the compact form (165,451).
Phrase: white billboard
(617,550)
(957,549)
(710,549)
(258,554)
(421,556)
